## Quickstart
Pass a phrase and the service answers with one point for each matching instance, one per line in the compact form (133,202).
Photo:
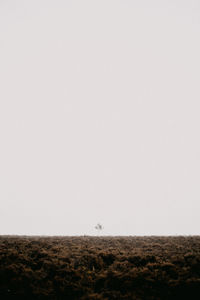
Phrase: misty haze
(99,148)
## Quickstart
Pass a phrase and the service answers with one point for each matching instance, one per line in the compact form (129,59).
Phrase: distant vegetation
(99,227)
(100,268)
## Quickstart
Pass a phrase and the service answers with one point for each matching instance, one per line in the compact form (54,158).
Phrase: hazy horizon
(99,117)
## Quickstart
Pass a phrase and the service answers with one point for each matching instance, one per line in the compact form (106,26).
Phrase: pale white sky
(100,117)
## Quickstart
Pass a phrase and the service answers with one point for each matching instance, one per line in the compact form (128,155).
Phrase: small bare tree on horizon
(99,227)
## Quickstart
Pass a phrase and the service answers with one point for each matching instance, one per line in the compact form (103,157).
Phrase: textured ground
(99,267)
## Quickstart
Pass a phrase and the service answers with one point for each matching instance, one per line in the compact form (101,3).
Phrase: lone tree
(99,227)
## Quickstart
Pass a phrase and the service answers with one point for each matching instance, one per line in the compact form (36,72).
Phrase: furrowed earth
(99,267)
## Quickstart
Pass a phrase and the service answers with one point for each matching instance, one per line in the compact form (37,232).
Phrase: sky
(99,117)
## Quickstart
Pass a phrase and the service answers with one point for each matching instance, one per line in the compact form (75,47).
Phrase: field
(99,267)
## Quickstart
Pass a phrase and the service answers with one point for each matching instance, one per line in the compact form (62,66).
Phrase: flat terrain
(99,267)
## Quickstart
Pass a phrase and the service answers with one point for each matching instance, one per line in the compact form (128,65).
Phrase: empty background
(100,117)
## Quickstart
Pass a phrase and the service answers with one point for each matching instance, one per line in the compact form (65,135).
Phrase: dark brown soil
(99,267)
